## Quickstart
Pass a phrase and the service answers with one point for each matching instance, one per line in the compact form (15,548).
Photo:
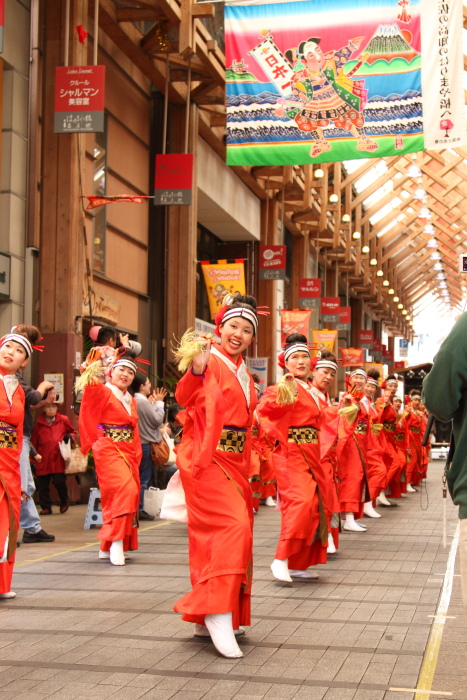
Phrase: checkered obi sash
(303,434)
(399,436)
(390,426)
(414,429)
(232,439)
(8,436)
(118,433)
(362,427)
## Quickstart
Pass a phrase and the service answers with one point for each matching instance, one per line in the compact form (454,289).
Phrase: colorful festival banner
(294,321)
(378,367)
(272,262)
(259,366)
(325,340)
(332,80)
(221,278)
(79,99)
(352,357)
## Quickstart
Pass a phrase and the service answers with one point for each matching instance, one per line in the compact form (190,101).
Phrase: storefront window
(100,187)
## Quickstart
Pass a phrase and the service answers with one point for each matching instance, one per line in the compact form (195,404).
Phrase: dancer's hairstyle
(32,333)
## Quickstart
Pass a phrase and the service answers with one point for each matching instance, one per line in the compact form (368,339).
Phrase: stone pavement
(81,628)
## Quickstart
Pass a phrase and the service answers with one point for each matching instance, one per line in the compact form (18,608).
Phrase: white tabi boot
(410,489)
(331,546)
(370,511)
(222,635)
(350,525)
(296,573)
(270,502)
(201,632)
(117,555)
(280,570)
(6,596)
(382,500)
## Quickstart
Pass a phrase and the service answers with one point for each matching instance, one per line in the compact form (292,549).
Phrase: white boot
(370,511)
(410,489)
(270,502)
(382,500)
(220,628)
(296,573)
(331,546)
(351,525)
(280,570)
(106,555)
(201,631)
(117,555)
(5,596)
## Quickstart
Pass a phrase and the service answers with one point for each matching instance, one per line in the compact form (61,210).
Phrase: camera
(463,262)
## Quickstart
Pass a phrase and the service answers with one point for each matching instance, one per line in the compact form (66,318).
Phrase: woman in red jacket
(49,430)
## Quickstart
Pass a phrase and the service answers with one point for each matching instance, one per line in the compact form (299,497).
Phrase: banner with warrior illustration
(331,80)
(294,321)
(222,277)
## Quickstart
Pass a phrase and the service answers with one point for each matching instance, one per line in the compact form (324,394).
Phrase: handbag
(153,499)
(160,452)
(78,462)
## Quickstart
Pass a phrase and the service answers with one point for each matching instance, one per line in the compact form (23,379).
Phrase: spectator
(150,407)
(49,430)
(174,426)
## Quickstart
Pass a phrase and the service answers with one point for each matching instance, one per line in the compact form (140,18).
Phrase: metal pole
(67,31)
(166,105)
(188,96)
(96,31)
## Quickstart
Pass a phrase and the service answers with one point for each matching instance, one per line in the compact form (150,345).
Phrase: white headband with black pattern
(17,338)
(245,313)
(295,347)
(371,380)
(329,364)
(125,362)
(359,371)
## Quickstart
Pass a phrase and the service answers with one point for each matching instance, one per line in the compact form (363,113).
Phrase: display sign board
(330,309)
(173,180)
(403,347)
(309,293)
(272,262)
(79,99)
(345,317)
(366,339)
(58,382)
(259,366)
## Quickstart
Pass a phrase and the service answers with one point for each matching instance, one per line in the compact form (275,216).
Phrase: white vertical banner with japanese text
(259,366)
(444,121)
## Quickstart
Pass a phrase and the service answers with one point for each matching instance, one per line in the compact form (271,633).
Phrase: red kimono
(11,440)
(377,472)
(414,427)
(213,459)
(352,446)
(394,455)
(295,427)
(107,427)
(261,474)
(328,463)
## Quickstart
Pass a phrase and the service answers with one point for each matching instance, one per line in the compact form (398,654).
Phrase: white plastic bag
(65,450)
(174,506)
(172,456)
(153,499)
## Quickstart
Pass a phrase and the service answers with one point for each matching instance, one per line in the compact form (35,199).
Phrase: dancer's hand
(202,358)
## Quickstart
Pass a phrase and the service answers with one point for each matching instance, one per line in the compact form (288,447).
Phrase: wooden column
(300,265)
(267,292)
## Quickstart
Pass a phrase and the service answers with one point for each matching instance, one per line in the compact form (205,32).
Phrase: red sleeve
(136,437)
(94,398)
(274,417)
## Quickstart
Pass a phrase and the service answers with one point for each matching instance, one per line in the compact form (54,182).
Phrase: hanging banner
(400,365)
(222,277)
(366,339)
(324,340)
(352,357)
(272,262)
(259,366)
(332,80)
(309,295)
(330,309)
(294,321)
(345,318)
(2,23)
(79,99)
(375,366)
(173,179)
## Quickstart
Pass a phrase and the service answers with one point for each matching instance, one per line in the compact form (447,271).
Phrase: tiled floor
(81,628)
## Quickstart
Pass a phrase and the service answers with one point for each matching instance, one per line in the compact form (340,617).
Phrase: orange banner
(352,357)
(325,340)
(221,278)
(294,321)
(379,367)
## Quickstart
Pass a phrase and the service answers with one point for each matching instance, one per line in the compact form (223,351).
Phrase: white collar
(309,388)
(240,372)
(10,382)
(317,392)
(124,398)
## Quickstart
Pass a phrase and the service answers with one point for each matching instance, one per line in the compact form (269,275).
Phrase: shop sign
(173,180)
(309,295)
(366,339)
(399,365)
(345,317)
(5,270)
(79,99)
(403,347)
(330,309)
(272,262)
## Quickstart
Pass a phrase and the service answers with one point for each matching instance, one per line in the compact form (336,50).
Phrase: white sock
(297,573)
(269,501)
(410,489)
(382,499)
(5,596)
(280,570)
(202,631)
(370,511)
(351,525)
(117,555)
(222,635)
(331,546)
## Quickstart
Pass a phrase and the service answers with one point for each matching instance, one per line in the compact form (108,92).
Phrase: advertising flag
(325,340)
(332,80)
(352,357)
(222,277)
(294,321)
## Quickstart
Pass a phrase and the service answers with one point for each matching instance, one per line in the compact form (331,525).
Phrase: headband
(415,396)
(295,347)
(245,313)
(257,386)
(358,371)
(326,363)
(124,362)
(20,339)
(371,380)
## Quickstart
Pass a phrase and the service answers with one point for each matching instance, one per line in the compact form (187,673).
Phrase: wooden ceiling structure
(395,267)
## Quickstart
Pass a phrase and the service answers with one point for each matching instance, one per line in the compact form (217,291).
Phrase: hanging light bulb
(380,273)
(424,213)
(404,312)
(345,218)
(414,171)
(440,276)
(435,256)
(365,249)
(385,283)
(356,235)
(420,193)
(319,174)
(400,306)
(429,229)
(437,266)
(442,285)
(333,198)
(390,291)
(395,300)
(373,262)
(432,243)
(407,318)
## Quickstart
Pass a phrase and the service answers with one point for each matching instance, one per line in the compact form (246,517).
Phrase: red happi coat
(304,534)
(10,482)
(217,491)
(352,446)
(377,472)
(117,463)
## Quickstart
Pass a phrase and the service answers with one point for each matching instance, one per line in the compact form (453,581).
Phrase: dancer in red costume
(294,426)
(324,368)
(394,457)
(352,451)
(108,424)
(414,425)
(377,473)
(261,474)
(15,351)
(213,458)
